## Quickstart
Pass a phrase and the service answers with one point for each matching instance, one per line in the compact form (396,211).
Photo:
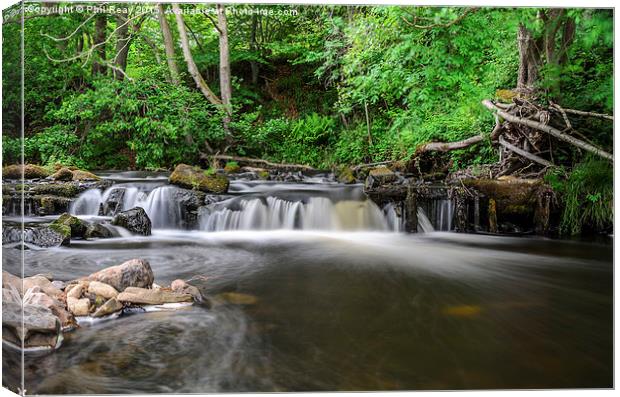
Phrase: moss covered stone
(63,230)
(30,171)
(56,189)
(63,174)
(264,175)
(81,175)
(52,204)
(191,178)
(77,226)
(232,167)
(345,175)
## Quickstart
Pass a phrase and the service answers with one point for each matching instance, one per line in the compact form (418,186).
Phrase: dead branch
(523,153)
(590,114)
(548,129)
(447,146)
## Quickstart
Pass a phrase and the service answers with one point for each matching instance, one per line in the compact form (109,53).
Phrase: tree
(99,42)
(168,44)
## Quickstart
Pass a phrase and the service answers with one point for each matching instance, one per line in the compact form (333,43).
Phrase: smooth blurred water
(341,311)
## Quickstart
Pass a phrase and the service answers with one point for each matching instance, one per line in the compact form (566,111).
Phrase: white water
(318,213)
(424,224)
(87,203)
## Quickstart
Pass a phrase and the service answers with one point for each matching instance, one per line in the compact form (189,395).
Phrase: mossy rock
(56,189)
(191,178)
(30,171)
(63,174)
(506,95)
(81,175)
(345,175)
(232,168)
(77,226)
(264,175)
(53,204)
(63,230)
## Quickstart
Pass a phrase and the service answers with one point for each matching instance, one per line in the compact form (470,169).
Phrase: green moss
(78,228)
(81,175)
(345,175)
(190,178)
(64,230)
(232,167)
(264,175)
(56,189)
(30,171)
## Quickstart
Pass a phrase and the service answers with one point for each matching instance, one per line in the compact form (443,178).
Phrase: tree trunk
(189,59)
(168,44)
(447,146)
(101,22)
(529,60)
(122,46)
(254,49)
(225,83)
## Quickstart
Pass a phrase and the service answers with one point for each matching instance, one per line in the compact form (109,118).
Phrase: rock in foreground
(133,273)
(145,296)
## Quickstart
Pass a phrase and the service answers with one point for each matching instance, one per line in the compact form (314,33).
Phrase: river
(336,298)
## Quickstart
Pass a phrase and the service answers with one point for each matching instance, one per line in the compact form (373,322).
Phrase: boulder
(379,176)
(135,220)
(63,174)
(41,236)
(30,171)
(79,307)
(345,175)
(143,296)
(44,284)
(109,307)
(41,329)
(9,280)
(196,178)
(182,287)
(76,290)
(56,189)
(81,175)
(59,284)
(102,289)
(97,230)
(78,227)
(133,273)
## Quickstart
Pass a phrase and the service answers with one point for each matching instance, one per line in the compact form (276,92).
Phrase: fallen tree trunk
(261,163)
(549,130)
(447,146)
(524,153)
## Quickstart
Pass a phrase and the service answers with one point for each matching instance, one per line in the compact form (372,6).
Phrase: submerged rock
(237,298)
(41,329)
(135,220)
(182,287)
(77,226)
(133,273)
(145,296)
(195,178)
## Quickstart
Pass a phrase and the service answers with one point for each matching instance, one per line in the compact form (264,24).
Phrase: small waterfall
(424,224)
(318,213)
(160,205)
(444,214)
(87,203)
(393,217)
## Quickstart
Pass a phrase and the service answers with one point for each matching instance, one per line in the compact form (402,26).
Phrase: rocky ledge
(51,307)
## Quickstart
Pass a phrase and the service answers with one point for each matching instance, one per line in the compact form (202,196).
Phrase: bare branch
(523,153)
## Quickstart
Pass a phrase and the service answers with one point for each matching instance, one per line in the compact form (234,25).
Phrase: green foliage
(11,150)
(587,196)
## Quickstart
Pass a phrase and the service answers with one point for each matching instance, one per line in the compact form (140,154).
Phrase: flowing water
(340,300)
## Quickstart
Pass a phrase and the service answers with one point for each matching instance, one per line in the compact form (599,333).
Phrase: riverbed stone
(77,226)
(55,189)
(237,298)
(182,287)
(195,178)
(76,290)
(135,220)
(110,306)
(44,284)
(133,273)
(79,307)
(82,175)
(63,174)
(30,171)
(9,280)
(379,176)
(143,296)
(97,230)
(41,328)
(102,289)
